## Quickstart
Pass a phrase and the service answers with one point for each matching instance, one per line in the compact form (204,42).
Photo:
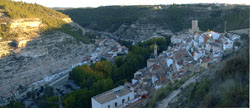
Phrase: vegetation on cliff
(50,17)
(105,18)
(235,19)
(229,87)
(14,104)
(52,20)
(110,18)
(173,17)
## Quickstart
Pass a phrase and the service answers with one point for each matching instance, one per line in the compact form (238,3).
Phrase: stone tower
(155,51)
(195,27)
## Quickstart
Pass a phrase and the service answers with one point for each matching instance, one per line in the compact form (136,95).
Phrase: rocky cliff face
(25,24)
(139,32)
(37,56)
(26,29)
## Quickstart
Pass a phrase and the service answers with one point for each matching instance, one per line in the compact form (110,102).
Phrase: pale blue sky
(96,3)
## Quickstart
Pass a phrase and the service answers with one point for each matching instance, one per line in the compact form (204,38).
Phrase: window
(115,104)
(108,106)
(123,100)
(128,98)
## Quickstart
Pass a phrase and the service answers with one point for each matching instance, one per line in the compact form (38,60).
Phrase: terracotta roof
(163,79)
(156,67)
(206,59)
(180,63)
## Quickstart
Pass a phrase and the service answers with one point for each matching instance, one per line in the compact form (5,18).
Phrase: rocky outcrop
(37,57)
(67,20)
(25,24)
(140,32)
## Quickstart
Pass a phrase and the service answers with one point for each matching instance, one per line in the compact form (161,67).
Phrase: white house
(227,44)
(169,62)
(154,79)
(201,39)
(234,37)
(116,98)
(197,55)
(134,81)
(208,47)
(215,35)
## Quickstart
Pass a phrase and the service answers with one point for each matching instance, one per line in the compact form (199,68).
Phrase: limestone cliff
(30,56)
(25,24)
(27,53)
(26,29)
(38,57)
(140,32)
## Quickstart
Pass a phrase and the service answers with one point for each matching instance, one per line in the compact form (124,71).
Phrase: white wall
(95,104)
(150,63)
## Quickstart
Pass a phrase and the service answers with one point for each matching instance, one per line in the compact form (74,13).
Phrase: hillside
(223,84)
(64,57)
(51,21)
(226,85)
(138,22)
(36,42)
(106,18)
(15,10)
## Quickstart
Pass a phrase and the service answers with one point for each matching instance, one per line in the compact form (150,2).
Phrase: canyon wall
(36,56)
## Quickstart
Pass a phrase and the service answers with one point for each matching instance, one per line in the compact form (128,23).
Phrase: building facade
(116,98)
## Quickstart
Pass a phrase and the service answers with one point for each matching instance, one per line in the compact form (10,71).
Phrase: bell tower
(155,51)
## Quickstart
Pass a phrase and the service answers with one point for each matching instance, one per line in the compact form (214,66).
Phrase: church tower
(155,51)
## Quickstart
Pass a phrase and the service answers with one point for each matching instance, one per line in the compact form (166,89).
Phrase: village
(189,52)
(124,54)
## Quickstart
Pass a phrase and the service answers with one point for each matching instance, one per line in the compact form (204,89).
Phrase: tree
(14,104)
(102,85)
(119,61)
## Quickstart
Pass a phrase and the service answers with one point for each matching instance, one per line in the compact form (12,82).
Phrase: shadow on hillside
(32,58)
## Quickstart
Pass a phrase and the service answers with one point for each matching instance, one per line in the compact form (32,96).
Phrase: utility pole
(225,26)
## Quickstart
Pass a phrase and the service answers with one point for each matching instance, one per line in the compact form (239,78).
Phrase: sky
(97,3)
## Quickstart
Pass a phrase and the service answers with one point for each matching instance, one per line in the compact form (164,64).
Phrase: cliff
(25,24)
(36,42)
(26,29)
(140,32)
(37,57)
(141,22)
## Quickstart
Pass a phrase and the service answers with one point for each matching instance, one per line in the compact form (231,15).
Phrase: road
(61,80)
(164,103)
(173,96)
(51,83)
